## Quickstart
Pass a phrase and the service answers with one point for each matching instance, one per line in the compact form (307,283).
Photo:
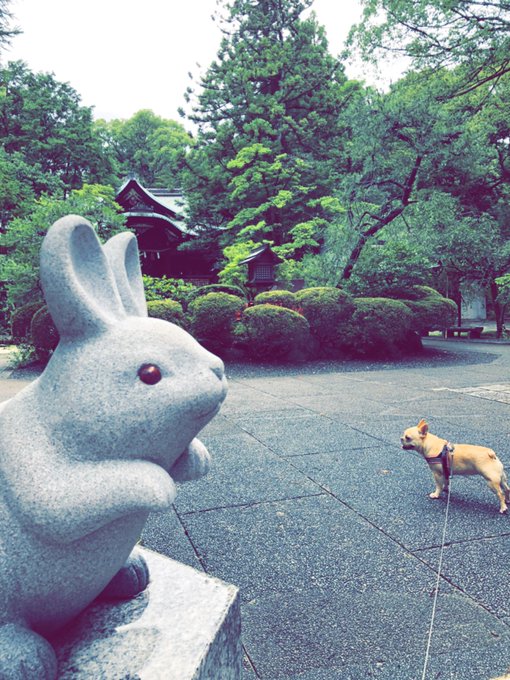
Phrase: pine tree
(269,140)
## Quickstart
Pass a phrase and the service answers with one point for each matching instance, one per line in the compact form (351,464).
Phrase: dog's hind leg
(495,486)
(505,487)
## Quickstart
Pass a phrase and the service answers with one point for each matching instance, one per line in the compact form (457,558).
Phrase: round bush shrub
(168,310)
(216,288)
(380,327)
(271,332)
(433,313)
(167,289)
(281,298)
(411,293)
(327,310)
(21,319)
(213,318)
(44,334)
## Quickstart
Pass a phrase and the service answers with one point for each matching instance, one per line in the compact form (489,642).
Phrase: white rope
(443,540)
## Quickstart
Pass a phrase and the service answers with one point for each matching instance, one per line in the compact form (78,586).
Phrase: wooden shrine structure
(155,215)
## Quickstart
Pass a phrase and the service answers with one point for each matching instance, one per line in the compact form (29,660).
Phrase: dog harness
(444,460)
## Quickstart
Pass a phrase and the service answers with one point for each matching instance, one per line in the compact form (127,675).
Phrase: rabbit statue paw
(25,655)
(130,580)
(93,445)
(192,464)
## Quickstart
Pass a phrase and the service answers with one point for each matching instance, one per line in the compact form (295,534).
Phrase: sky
(125,55)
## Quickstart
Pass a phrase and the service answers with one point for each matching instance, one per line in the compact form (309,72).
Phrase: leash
(440,565)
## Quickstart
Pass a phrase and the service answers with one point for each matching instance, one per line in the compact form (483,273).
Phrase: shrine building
(155,215)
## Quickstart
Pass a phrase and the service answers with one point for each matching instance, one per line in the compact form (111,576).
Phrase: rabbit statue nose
(218,368)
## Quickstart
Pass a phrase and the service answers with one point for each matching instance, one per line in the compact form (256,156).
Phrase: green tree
(7,31)
(151,147)
(472,34)
(19,269)
(458,212)
(20,184)
(397,138)
(269,143)
(42,121)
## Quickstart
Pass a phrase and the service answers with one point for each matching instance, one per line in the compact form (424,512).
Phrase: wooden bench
(472,332)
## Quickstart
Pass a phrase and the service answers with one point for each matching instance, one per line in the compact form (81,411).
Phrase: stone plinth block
(185,625)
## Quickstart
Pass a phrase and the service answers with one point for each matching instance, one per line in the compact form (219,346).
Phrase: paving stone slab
(220,425)
(480,569)
(296,435)
(375,634)
(257,401)
(164,533)
(437,405)
(463,664)
(309,543)
(284,386)
(333,405)
(243,471)
(392,493)
(390,428)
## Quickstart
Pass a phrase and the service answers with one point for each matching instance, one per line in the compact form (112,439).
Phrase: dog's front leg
(440,485)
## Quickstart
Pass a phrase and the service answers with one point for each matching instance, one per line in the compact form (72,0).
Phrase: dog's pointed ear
(423,427)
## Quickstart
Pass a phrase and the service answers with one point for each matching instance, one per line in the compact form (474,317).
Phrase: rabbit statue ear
(122,253)
(77,280)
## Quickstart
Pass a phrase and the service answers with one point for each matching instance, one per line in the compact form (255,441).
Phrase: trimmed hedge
(216,288)
(44,334)
(328,311)
(281,298)
(168,310)
(432,313)
(380,327)
(270,332)
(21,319)
(213,318)
(167,289)
(411,293)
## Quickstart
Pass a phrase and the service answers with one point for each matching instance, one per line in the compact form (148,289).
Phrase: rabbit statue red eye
(150,374)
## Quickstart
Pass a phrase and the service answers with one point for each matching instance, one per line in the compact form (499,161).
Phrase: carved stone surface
(90,448)
(185,625)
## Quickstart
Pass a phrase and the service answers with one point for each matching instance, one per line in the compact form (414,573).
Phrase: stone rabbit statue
(93,445)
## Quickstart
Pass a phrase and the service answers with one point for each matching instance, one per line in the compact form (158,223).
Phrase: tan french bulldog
(446,459)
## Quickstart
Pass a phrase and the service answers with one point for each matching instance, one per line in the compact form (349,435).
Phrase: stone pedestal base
(184,626)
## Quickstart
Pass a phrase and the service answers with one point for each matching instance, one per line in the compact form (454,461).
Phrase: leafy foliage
(44,334)
(474,34)
(213,318)
(217,288)
(327,310)
(146,145)
(163,288)
(269,137)
(270,332)
(19,269)
(379,327)
(168,310)
(281,298)
(431,311)
(43,124)
(7,31)
(21,320)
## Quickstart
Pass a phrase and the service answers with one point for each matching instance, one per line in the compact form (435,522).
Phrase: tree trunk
(499,310)
(380,221)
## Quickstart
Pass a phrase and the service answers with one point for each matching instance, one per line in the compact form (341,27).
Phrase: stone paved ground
(325,524)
